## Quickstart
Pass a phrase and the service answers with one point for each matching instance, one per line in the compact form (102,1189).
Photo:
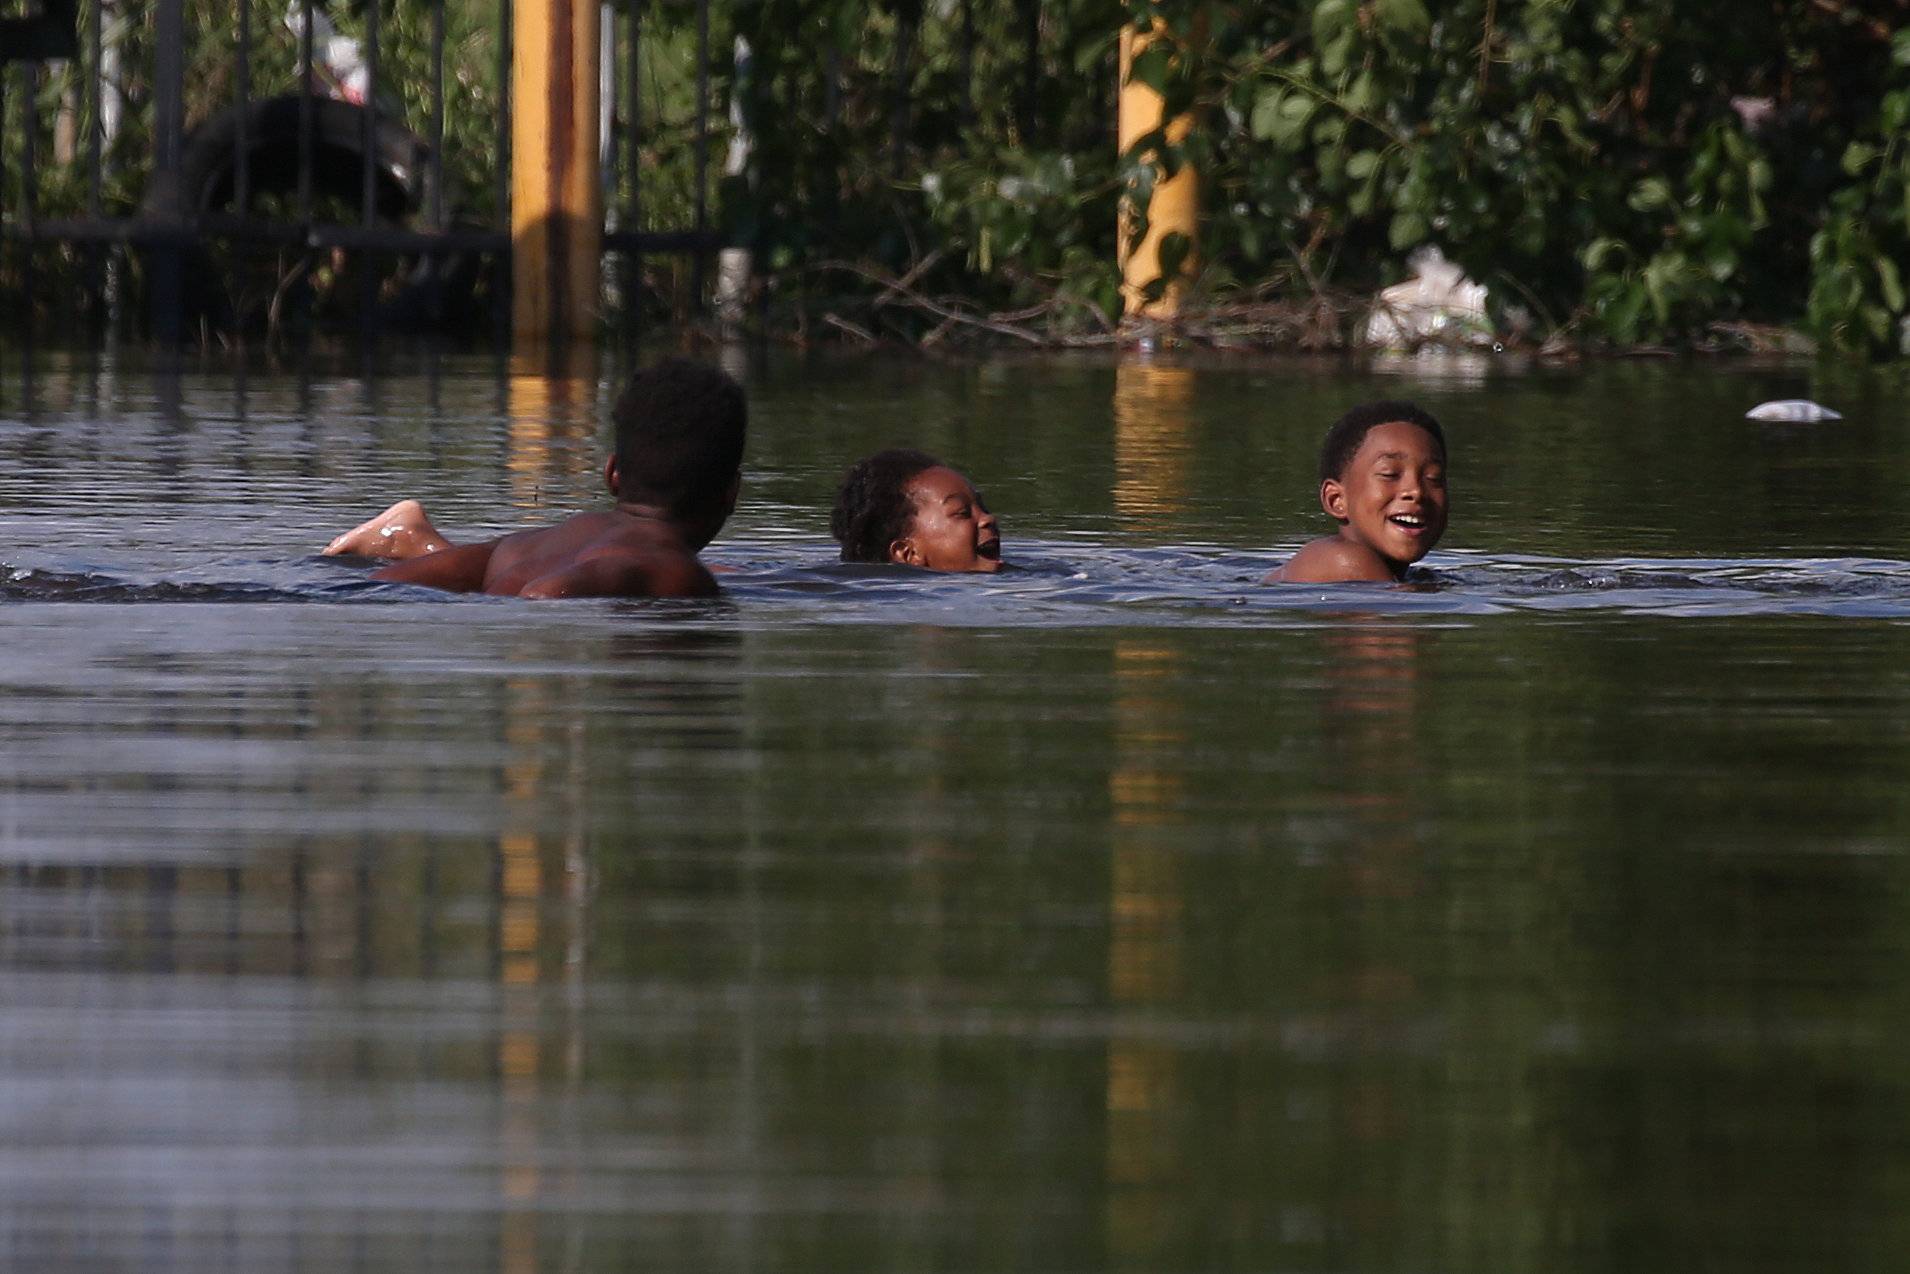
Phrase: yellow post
(556,191)
(1174,207)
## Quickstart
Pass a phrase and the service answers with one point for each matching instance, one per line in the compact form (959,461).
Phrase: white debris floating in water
(1796,410)
(1439,304)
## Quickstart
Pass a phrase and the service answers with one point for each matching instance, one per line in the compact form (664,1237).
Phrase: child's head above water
(1344,437)
(907,507)
(1383,479)
(680,429)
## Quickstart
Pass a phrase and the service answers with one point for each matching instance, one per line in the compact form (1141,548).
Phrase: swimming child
(1383,479)
(675,475)
(909,508)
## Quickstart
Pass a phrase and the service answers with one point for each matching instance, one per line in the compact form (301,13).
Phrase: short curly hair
(1349,431)
(873,508)
(680,430)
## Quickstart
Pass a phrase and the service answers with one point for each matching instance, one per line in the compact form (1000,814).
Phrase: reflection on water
(1112,913)
(1152,422)
(1145,916)
(545,404)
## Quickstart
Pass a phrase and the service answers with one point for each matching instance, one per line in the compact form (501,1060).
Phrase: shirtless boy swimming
(674,475)
(1383,479)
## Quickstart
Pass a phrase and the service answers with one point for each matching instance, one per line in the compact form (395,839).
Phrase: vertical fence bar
(96,108)
(29,190)
(702,147)
(435,169)
(169,122)
(908,21)
(504,157)
(366,259)
(6,70)
(94,95)
(368,124)
(241,143)
(633,151)
(501,301)
(30,155)
(307,119)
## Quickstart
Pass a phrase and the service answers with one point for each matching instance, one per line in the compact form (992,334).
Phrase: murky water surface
(1117,912)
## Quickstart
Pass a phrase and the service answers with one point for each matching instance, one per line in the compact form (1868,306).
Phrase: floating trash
(1438,304)
(1794,410)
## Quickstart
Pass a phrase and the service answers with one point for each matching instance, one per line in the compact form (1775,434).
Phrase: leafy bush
(1626,170)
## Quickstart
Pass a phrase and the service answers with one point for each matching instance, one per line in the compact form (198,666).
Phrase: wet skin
(953,529)
(1391,504)
(637,549)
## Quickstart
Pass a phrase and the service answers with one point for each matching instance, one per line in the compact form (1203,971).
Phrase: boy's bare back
(619,553)
(674,474)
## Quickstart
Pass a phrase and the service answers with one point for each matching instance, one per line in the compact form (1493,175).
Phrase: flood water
(1114,913)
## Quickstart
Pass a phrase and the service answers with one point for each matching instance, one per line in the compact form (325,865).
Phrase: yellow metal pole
(556,190)
(1173,208)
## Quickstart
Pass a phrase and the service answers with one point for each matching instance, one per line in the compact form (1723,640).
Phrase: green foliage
(1631,170)
(1584,157)
(971,136)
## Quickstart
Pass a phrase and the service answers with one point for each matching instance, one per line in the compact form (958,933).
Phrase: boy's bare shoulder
(617,570)
(1331,560)
(605,555)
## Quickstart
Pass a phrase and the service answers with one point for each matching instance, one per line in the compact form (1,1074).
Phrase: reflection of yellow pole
(1153,415)
(1173,208)
(556,191)
(520,872)
(544,410)
(1146,907)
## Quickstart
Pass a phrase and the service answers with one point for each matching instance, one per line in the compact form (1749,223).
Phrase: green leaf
(1857,157)
(1363,95)
(1174,251)
(1249,233)
(1407,230)
(1152,66)
(1362,164)
(1091,57)
(1336,53)
(1288,126)
(1264,123)
(1877,320)
(1404,17)
(1622,315)
(1664,276)
(1361,201)
(1329,131)
(1721,263)
(1599,251)
(1652,192)
(1896,111)
(1332,20)
(1892,279)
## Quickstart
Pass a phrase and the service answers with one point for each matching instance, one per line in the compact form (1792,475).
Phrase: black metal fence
(324,175)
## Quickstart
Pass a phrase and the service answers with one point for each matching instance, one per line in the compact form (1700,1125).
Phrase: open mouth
(1411,523)
(989,550)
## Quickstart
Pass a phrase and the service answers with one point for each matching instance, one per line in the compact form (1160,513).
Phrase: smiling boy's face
(1391,498)
(953,530)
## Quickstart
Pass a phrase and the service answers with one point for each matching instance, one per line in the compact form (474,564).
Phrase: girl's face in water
(953,530)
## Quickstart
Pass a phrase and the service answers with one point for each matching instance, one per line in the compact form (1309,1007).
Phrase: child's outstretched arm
(456,569)
(400,533)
